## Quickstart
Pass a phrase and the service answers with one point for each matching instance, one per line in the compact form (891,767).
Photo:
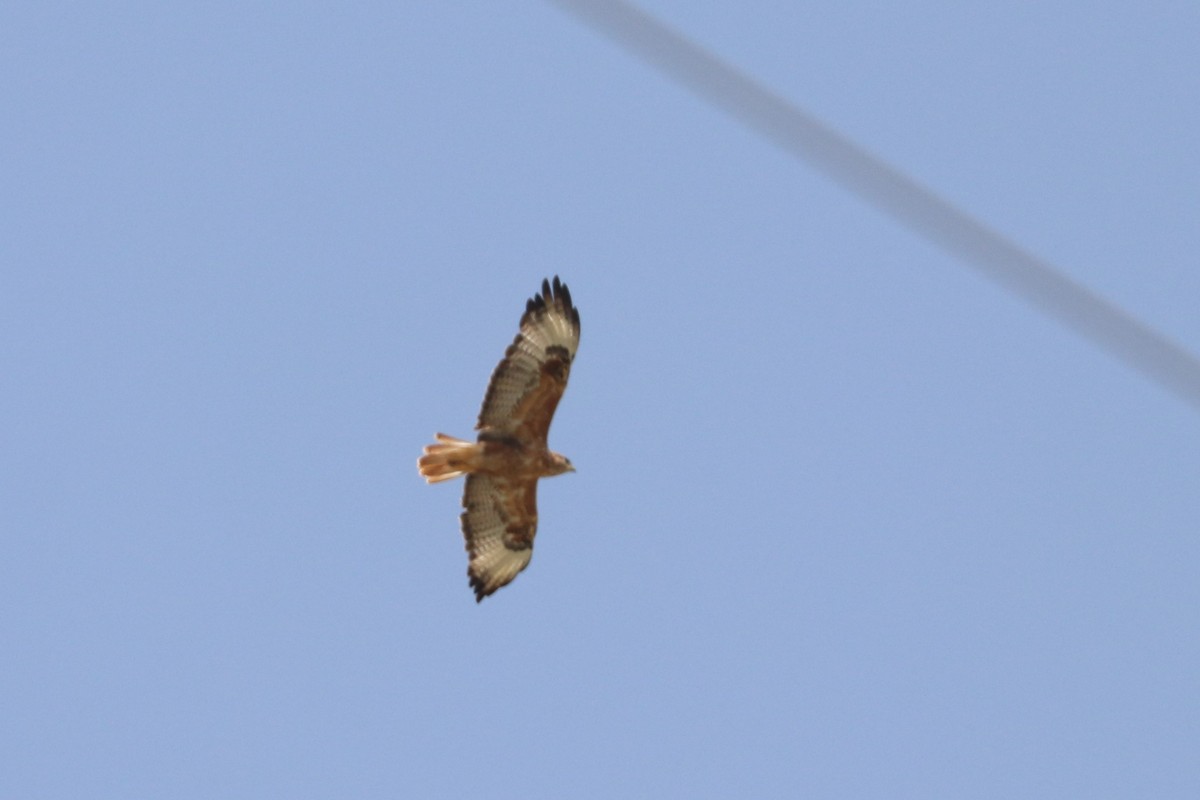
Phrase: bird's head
(560,464)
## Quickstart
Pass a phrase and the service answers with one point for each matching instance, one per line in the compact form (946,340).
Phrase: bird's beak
(570,468)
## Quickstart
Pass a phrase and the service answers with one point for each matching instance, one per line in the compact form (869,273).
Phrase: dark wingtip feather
(563,292)
(553,294)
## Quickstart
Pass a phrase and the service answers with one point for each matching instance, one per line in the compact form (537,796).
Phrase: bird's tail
(448,459)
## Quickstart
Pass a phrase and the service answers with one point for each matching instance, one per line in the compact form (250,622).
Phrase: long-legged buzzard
(510,454)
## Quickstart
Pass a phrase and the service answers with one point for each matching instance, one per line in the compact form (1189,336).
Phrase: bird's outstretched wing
(498,523)
(530,380)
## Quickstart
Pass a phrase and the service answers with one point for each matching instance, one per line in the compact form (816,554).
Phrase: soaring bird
(510,454)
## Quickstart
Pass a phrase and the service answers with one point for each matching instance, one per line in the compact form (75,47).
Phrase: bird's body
(504,464)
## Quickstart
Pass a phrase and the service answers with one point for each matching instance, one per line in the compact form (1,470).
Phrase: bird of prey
(504,464)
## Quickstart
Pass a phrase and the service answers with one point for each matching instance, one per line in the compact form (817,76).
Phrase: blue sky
(848,520)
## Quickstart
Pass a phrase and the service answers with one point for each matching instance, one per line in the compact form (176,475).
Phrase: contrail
(1032,278)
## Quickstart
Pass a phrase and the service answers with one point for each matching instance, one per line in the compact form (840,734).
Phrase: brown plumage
(510,454)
